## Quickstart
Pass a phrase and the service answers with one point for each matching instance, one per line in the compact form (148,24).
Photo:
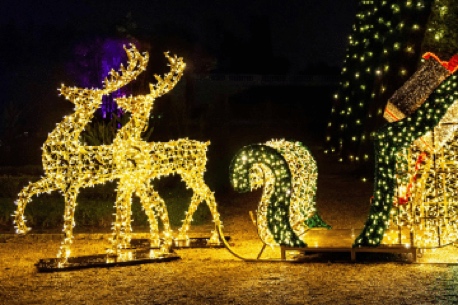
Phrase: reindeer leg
(33,188)
(147,204)
(122,227)
(209,198)
(154,204)
(69,223)
(183,231)
(201,193)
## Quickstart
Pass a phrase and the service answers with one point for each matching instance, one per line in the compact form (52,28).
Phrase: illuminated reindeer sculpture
(68,164)
(152,160)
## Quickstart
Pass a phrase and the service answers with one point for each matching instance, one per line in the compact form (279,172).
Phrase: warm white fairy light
(70,165)
(262,176)
(287,172)
(397,163)
(304,175)
(369,71)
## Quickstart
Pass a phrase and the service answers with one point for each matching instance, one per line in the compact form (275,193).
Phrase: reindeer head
(141,105)
(89,98)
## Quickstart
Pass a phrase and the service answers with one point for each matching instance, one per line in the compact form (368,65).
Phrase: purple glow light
(113,56)
(94,59)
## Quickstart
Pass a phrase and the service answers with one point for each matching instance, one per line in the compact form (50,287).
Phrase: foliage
(315,221)
(95,208)
(102,132)
(11,127)
(441,37)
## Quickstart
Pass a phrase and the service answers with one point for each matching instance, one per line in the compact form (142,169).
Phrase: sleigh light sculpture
(415,202)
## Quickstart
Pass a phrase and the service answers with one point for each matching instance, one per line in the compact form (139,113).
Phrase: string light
(394,138)
(383,34)
(70,165)
(288,173)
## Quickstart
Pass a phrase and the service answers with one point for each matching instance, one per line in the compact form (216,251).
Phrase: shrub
(95,207)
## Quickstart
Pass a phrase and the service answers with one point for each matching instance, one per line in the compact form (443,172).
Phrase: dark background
(289,39)
(305,32)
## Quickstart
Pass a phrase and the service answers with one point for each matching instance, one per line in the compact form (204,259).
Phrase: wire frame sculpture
(425,211)
(70,165)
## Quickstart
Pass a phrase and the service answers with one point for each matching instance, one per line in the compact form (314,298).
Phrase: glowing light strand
(389,140)
(288,172)
(69,165)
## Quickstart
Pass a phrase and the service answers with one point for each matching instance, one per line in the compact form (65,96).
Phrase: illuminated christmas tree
(385,47)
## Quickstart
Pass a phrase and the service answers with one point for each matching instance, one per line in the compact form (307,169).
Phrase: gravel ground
(214,276)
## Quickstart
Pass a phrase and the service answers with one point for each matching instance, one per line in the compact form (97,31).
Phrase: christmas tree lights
(441,29)
(384,48)
(288,173)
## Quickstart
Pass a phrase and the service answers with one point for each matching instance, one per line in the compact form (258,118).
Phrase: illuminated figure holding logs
(426,197)
(70,165)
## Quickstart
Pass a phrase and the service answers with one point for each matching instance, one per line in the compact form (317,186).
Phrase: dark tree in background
(30,73)
(441,36)
(385,47)
(254,55)
(91,63)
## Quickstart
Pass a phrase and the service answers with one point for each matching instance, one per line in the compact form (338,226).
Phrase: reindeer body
(68,164)
(62,150)
(152,160)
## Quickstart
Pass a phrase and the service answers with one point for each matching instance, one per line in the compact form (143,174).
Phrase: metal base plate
(192,242)
(130,257)
(197,242)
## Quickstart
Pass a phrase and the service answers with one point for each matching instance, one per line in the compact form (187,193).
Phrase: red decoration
(451,65)
(405,199)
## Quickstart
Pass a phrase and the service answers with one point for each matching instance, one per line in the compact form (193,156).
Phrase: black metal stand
(130,257)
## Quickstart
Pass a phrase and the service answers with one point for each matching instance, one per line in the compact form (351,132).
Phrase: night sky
(43,42)
(303,31)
